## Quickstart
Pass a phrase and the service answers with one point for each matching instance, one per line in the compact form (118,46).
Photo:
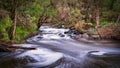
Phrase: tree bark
(118,19)
(13,28)
(97,16)
(9,47)
(42,18)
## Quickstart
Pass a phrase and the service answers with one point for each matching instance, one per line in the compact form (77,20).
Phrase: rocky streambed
(53,48)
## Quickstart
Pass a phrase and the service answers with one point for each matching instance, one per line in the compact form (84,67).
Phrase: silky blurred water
(55,49)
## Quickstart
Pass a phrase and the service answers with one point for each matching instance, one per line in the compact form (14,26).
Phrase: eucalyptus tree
(97,9)
(41,11)
(12,7)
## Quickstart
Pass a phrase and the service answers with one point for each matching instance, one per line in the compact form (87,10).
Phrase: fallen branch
(8,47)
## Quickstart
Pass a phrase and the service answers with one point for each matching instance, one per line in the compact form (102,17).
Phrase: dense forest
(20,19)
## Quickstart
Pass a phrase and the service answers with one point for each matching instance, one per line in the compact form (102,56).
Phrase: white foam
(54,36)
(25,45)
(44,27)
(98,53)
(48,56)
(54,30)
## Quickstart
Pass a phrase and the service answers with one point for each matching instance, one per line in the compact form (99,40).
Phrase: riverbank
(55,49)
(98,42)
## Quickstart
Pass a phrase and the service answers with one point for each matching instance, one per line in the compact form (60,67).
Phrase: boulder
(85,35)
(95,36)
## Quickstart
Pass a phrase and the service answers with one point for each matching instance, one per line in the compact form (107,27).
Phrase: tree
(13,28)
(93,5)
(12,7)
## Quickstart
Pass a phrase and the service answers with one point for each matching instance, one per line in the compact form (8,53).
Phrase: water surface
(55,49)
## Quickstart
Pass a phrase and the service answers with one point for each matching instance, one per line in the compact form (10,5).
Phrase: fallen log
(8,47)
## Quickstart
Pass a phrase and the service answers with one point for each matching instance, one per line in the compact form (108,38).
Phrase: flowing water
(55,49)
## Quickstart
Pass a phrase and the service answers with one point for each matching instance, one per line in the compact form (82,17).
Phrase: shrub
(82,26)
(110,31)
(20,34)
(5,25)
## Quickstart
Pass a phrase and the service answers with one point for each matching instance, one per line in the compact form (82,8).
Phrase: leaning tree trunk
(13,28)
(97,20)
(97,16)
(42,18)
(118,19)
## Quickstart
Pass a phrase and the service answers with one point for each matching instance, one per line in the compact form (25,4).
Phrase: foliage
(24,24)
(5,25)
(20,34)
(110,31)
(81,26)
(103,22)
(78,13)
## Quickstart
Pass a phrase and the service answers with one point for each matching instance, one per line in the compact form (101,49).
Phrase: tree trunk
(118,19)
(65,3)
(9,47)
(13,28)
(39,24)
(97,16)
(41,19)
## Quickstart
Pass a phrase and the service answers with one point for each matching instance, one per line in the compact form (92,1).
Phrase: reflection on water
(81,63)
(54,49)
(65,62)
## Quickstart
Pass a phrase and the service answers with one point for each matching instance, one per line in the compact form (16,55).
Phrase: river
(55,49)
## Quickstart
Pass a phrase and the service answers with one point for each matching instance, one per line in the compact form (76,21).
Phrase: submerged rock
(5,49)
(104,55)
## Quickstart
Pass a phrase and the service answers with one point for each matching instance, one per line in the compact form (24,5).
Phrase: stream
(55,49)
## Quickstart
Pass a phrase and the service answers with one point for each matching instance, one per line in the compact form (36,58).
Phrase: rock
(3,49)
(95,36)
(61,35)
(104,55)
(73,32)
(68,32)
(85,35)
